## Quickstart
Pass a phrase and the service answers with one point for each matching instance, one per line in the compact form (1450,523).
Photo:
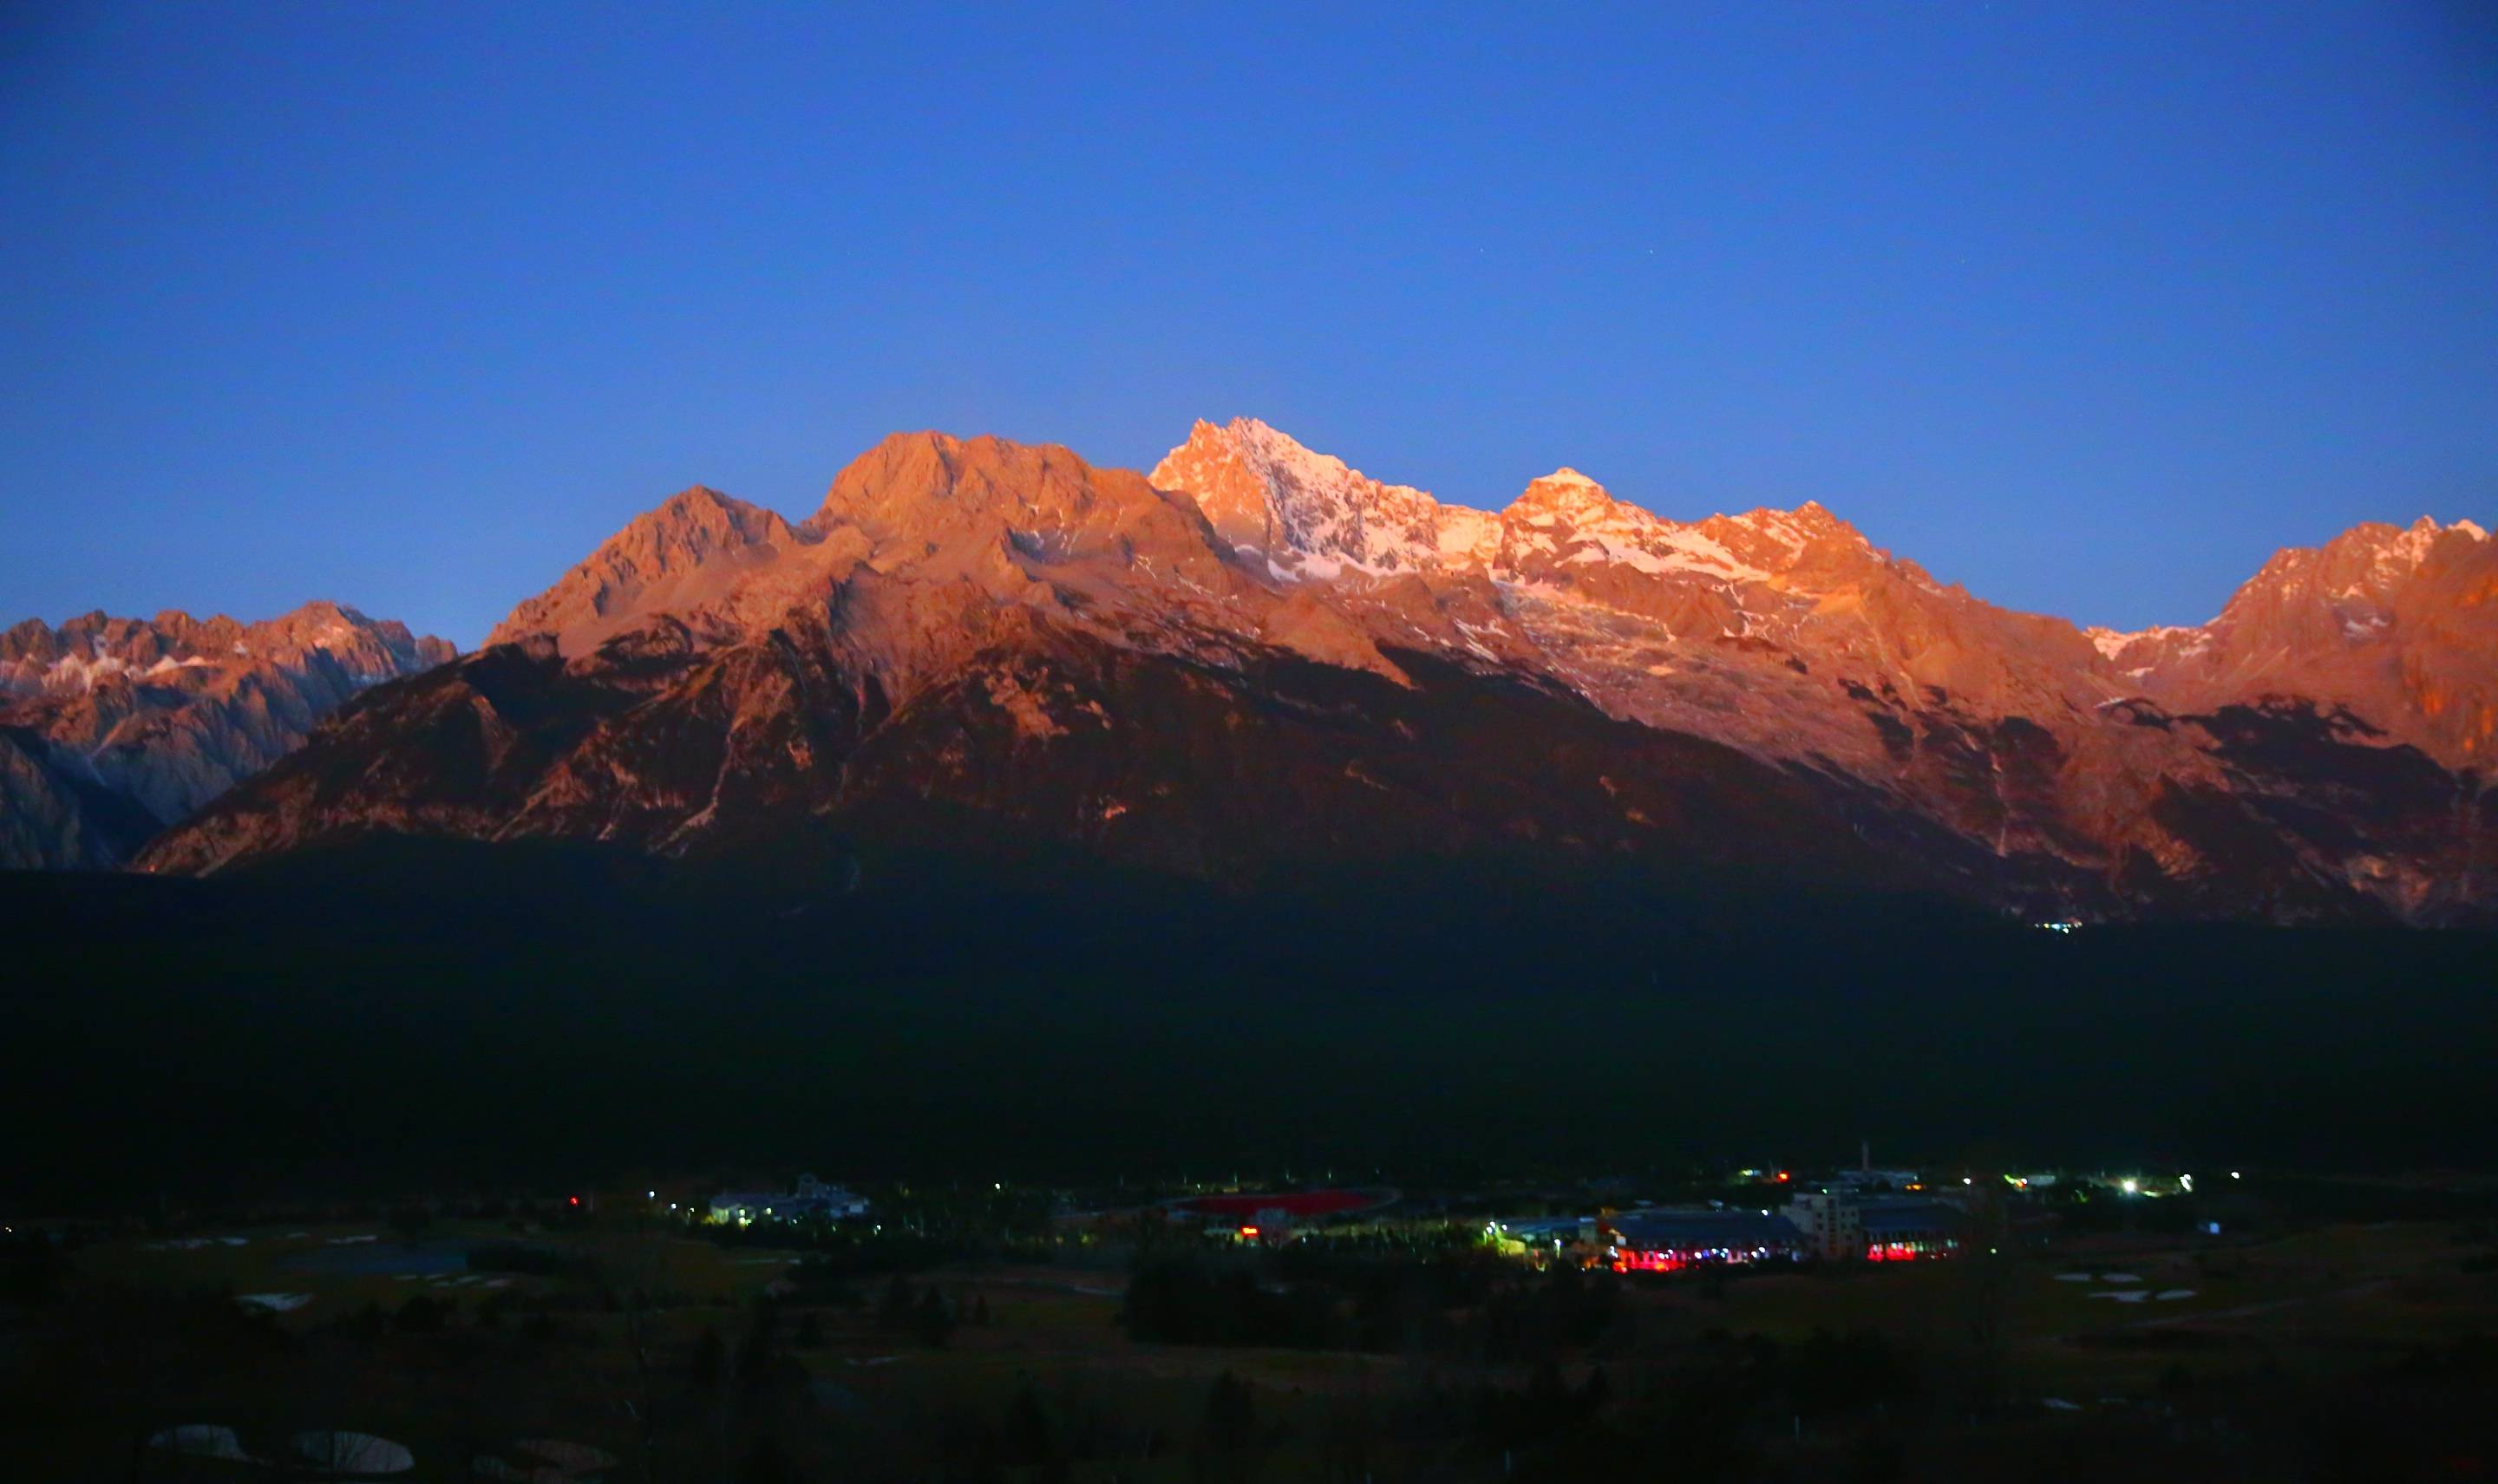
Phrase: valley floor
(2299,1355)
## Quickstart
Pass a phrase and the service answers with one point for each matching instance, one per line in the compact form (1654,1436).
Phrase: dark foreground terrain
(290,1151)
(463,1018)
(972,1336)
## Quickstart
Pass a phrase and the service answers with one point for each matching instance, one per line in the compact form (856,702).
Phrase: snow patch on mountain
(2112,642)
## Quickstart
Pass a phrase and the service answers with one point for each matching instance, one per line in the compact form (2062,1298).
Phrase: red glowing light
(576,1200)
(1248,1231)
(1782,1174)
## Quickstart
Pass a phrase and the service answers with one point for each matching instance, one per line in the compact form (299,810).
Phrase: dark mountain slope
(440,1015)
(1049,736)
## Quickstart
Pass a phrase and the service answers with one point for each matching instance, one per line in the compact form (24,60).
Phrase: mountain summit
(1256,658)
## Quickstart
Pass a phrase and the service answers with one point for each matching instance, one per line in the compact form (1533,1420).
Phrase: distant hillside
(455,1016)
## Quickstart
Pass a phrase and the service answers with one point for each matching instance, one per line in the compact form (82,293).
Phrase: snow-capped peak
(1282,455)
(2411,544)
(1564,492)
(2420,535)
(1305,512)
(2364,563)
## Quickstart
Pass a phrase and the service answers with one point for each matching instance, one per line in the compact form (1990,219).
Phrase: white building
(1832,1225)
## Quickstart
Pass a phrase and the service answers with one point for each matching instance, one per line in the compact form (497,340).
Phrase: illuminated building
(1898,1231)
(1670,1241)
(812,1199)
(1837,1226)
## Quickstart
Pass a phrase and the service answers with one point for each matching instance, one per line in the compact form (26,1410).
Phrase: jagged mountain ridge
(1789,636)
(1004,635)
(112,728)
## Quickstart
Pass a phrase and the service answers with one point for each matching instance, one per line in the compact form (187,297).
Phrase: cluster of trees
(1713,1410)
(924,1315)
(33,1268)
(1201,1300)
(843,1250)
(1045,1437)
(1454,1301)
(1711,1405)
(757,1363)
(421,1314)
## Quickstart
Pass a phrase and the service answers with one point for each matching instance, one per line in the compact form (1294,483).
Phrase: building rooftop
(1885,1217)
(1688,1230)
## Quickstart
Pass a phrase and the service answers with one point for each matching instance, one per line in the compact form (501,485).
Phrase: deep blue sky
(2087,306)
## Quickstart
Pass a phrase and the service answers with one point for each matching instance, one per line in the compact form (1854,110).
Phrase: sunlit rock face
(1256,658)
(112,728)
(2397,625)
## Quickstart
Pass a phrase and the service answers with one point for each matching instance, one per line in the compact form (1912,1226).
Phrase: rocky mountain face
(2397,626)
(112,728)
(1255,658)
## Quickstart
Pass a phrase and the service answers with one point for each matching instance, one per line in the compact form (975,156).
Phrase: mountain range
(111,728)
(1255,660)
